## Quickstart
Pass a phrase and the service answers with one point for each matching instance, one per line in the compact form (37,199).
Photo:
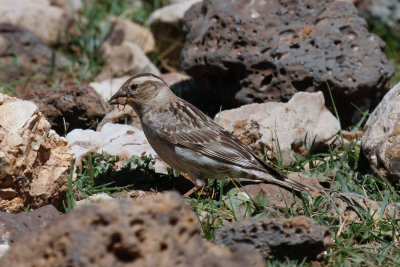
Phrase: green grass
(367,242)
(90,28)
(98,174)
(92,25)
(81,45)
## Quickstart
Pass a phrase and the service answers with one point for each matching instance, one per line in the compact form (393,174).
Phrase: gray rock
(16,226)
(257,51)
(381,138)
(296,238)
(19,42)
(23,55)
(155,231)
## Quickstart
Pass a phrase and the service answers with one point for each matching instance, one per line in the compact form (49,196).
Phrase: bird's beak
(120,97)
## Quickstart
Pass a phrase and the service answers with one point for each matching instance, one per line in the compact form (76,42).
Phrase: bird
(190,141)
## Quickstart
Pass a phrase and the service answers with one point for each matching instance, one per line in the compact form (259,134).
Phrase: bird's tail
(285,181)
(281,179)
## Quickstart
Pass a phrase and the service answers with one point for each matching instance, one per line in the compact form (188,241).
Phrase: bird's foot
(191,191)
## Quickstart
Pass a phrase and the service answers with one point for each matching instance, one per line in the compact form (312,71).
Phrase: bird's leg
(191,191)
(199,183)
(195,189)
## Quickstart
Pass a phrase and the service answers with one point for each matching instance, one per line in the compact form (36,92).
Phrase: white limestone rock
(381,138)
(263,126)
(119,140)
(35,160)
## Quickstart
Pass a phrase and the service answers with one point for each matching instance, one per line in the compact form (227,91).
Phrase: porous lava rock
(297,238)
(381,138)
(15,226)
(155,231)
(257,51)
(70,107)
(35,160)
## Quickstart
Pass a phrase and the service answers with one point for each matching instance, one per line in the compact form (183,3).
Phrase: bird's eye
(133,86)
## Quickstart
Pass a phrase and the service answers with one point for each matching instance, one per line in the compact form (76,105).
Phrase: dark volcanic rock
(15,226)
(258,51)
(79,106)
(155,231)
(296,238)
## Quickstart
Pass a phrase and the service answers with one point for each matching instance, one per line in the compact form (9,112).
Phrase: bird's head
(138,90)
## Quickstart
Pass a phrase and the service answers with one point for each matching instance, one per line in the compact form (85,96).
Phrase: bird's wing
(194,130)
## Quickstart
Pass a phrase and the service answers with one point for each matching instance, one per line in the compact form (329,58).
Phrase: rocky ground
(310,86)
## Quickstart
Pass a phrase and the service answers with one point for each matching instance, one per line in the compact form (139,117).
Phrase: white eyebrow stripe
(143,79)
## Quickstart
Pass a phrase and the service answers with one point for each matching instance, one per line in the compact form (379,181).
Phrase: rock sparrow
(186,139)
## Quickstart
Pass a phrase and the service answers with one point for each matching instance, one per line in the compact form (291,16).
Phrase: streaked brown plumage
(188,140)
